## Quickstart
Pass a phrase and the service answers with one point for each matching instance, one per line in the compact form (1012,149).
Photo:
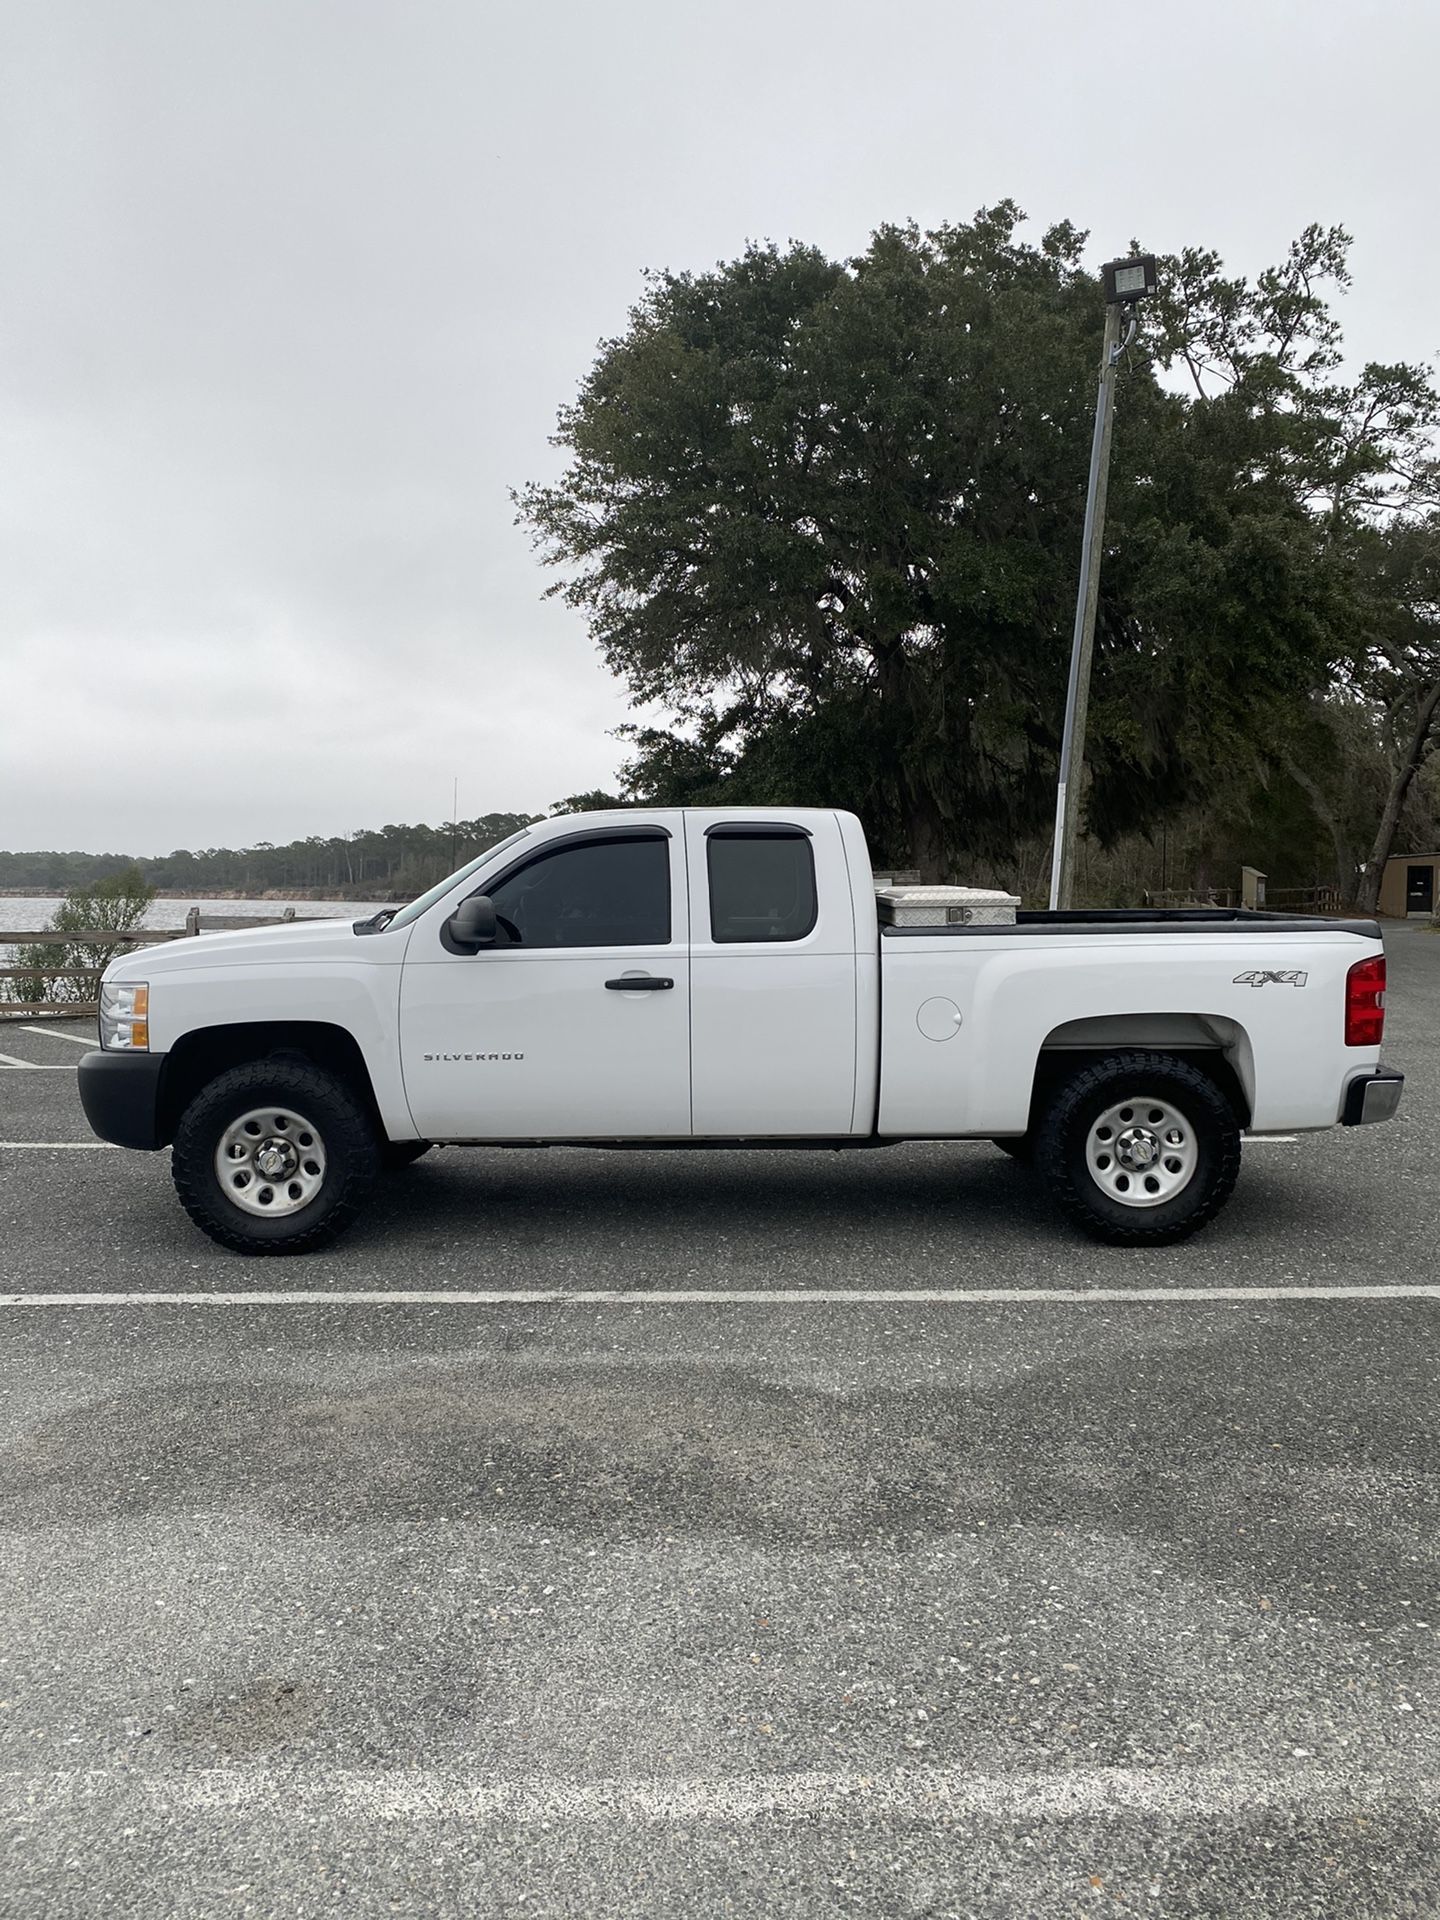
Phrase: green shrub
(117,904)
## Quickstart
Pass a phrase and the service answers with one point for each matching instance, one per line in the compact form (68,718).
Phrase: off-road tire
(1077,1103)
(352,1158)
(396,1155)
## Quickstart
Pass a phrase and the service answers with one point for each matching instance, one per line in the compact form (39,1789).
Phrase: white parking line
(722,1296)
(9,1060)
(1269,1139)
(32,1066)
(58,1146)
(423,1794)
(75,1039)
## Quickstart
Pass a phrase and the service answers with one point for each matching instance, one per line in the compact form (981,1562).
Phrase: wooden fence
(1303,900)
(1189,897)
(1275,900)
(195,923)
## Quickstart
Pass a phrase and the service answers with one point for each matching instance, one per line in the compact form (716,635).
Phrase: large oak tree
(827,514)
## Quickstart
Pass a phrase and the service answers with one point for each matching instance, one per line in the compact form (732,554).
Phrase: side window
(597,893)
(762,885)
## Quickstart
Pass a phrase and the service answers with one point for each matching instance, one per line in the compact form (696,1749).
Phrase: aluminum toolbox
(946,907)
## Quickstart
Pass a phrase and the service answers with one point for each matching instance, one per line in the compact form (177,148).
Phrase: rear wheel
(1140,1149)
(274,1157)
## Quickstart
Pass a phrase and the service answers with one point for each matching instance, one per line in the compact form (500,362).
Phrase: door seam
(689,971)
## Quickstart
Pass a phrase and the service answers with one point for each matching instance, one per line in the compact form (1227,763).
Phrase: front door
(540,1036)
(1420,889)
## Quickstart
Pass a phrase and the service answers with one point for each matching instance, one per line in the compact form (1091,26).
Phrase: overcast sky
(290,293)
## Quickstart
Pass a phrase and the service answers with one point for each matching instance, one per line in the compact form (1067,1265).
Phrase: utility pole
(1126,281)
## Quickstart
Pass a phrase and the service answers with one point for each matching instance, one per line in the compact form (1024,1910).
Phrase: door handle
(639,983)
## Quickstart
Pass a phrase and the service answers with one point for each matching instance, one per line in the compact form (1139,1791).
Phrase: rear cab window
(762,884)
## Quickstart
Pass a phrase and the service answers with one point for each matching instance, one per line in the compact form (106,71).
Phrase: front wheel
(1140,1149)
(274,1157)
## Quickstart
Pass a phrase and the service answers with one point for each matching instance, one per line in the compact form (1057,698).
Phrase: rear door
(576,1025)
(772,972)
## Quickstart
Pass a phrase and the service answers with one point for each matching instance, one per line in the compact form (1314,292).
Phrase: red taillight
(1365,1003)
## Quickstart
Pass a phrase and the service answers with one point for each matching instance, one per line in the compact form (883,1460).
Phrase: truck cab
(663,975)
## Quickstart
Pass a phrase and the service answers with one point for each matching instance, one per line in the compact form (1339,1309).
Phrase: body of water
(23,915)
(29,915)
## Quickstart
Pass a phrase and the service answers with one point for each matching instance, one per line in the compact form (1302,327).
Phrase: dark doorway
(1420,889)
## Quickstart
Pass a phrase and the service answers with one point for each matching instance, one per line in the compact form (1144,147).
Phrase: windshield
(442,887)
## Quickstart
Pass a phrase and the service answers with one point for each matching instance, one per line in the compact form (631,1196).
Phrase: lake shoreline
(282,894)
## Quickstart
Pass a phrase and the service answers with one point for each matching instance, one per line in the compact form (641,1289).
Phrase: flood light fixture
(1127,280)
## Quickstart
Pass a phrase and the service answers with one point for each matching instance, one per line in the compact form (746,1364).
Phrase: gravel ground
(884,1608)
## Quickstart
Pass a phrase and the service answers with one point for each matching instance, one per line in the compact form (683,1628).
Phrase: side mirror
(473,923)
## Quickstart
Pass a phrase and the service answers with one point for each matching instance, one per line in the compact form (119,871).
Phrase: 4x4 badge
(1257,979)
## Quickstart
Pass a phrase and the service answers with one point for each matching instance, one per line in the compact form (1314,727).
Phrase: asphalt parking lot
(878,1606)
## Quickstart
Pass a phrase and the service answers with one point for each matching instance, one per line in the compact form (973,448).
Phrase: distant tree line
(374,864)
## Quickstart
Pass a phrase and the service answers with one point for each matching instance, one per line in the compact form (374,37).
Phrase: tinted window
(599,893)
(761,888)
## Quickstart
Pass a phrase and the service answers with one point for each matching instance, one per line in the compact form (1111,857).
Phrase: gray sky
(290,292)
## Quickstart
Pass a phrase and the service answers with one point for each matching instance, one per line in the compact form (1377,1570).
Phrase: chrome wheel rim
(1142,1151)
(270,1162)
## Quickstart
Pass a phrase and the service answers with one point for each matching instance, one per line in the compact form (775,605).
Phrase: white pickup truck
(712,977)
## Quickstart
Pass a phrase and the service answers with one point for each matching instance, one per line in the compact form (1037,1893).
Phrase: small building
(1410,884)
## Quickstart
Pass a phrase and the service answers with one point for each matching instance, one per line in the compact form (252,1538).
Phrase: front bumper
(120,1093)
(1374,1096)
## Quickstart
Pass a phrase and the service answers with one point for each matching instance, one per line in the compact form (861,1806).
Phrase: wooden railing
(1303,899)
(195,923)
(1276,900)
(1190,897)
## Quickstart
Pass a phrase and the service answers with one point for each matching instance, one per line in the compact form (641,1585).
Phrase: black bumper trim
(120,1093)
(1373,1097)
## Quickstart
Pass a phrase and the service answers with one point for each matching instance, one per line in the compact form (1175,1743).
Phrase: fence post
(192,921)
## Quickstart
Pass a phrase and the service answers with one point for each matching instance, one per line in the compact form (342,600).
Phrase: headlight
(125,1015)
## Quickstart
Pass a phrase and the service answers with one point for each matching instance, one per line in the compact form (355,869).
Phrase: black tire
(1019,1146)
(1209,1129)
(348,1168)
(396,1155)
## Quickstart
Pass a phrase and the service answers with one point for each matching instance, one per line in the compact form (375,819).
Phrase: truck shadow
(768,1188)
(945,1204)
